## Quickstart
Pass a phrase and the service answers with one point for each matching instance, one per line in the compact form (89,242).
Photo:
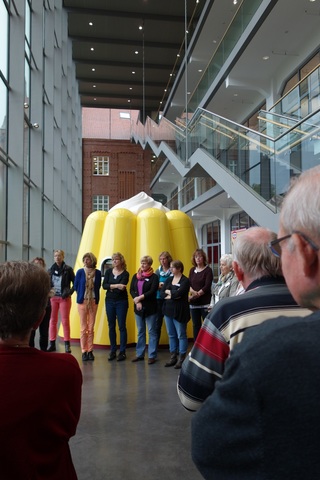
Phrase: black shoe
(112,356)
(85,357)
(52,346)
(122,356)
(67,347)
(137,359)
(90,356)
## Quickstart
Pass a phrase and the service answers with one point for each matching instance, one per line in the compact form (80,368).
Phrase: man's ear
(237,270)
(36,325)
(309,257)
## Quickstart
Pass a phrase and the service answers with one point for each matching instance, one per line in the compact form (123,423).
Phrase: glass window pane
(3,115)
(3,200)
(4,19)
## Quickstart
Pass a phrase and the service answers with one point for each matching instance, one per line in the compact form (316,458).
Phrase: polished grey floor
(132,424)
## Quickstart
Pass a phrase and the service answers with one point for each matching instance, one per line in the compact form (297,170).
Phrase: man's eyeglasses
(276,247)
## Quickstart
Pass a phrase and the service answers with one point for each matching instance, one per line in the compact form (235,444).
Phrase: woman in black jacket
(143,289)
(176,312)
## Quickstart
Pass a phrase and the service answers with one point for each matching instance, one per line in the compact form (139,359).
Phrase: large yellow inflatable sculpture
(139,226)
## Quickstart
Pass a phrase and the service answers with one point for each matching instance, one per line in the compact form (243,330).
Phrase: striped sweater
(266,298)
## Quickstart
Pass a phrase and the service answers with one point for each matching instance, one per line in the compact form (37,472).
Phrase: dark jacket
(68,276)
(150,288)
(177,306)
(263,420)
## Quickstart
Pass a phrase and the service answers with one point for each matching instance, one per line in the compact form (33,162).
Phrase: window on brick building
(100,202)
(100,165)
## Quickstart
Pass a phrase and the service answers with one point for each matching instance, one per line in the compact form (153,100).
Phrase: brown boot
(173,360)
(182,356)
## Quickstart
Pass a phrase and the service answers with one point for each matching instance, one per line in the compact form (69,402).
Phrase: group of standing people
(162,294)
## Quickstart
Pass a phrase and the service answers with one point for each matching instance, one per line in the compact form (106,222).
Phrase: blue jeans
(151,323)
(196,315)
(117,309)
(177,333)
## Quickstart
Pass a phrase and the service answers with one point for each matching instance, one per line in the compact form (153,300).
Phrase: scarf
(142,275)
(163,273)
(88,294)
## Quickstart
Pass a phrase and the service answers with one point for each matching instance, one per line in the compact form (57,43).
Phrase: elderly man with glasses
(263,419)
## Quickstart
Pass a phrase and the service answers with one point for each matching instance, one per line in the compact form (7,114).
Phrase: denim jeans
(177,333)
(117,309)
(196,315)
(151,323)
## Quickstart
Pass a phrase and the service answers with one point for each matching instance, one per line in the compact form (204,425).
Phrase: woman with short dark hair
(175,293)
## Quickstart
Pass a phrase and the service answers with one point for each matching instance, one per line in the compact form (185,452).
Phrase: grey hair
(301,205)
(252,253)
(227,258)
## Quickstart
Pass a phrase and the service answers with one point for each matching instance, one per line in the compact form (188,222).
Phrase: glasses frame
(277,253)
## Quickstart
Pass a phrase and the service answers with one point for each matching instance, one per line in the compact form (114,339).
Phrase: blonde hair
(148,259)
(121,258)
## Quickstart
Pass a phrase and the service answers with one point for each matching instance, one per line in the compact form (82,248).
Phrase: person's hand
(139,306)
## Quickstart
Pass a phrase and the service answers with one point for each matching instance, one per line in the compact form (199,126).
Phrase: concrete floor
(132,424)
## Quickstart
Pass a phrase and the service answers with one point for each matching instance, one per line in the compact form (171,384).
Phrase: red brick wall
(124,157)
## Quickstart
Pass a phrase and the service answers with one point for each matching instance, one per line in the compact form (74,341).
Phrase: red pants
(64,305)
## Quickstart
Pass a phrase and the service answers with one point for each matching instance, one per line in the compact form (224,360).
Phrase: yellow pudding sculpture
(137,227)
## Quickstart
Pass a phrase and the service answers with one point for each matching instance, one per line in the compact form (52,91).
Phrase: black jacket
(67,274)
(150,288)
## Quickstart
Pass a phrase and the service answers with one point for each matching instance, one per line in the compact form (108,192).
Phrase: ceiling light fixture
(92,49)
(266,57)
(91,24)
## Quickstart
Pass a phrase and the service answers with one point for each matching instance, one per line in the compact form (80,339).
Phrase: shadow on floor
(132,425)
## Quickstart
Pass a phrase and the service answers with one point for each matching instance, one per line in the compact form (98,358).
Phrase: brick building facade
(114,170)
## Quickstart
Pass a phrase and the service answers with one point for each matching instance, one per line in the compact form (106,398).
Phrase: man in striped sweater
(266,296)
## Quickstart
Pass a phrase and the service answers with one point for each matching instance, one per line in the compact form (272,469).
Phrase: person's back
(262,422)
(263,419)
(40,410)
(224,328)
(40,392)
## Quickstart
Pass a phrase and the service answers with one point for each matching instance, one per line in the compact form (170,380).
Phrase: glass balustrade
(262,163)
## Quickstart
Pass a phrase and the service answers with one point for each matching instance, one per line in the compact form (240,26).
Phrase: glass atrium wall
(40,133)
